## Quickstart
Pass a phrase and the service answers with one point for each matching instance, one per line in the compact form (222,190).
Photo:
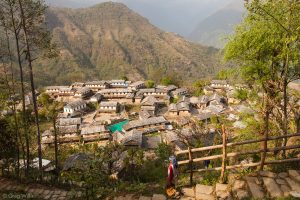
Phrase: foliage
(167,80)
(163,151)
(241,94)
(149,84)
(198,87)
(8,143)
(210,178)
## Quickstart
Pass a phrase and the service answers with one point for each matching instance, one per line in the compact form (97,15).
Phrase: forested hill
(109,41)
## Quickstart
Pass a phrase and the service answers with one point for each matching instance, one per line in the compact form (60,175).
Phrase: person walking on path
(172,174)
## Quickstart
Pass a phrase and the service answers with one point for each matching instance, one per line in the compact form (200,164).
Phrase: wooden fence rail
(226,155)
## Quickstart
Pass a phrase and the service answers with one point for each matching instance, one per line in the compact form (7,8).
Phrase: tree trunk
(25,123)
(55,146)
(264,144)
(35,108)
(285,104)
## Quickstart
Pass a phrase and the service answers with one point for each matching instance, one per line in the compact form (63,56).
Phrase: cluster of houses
(159,108)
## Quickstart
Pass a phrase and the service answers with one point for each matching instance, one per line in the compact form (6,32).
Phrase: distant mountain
(109,41)
(179,16)
(212,30)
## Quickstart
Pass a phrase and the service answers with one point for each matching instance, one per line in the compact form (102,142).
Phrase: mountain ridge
(109,40)
(212,29)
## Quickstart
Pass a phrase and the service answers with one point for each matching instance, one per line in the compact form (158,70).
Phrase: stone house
(69,121)
(219,85)
(150,103)
(67,91)
(68,134)
(179,92)
(173,110)
(83,92)
(156,92)
(96,98)
(119,83)
(54,89)
(47,137)
(68,129)
(152,124)
(180,109)
(109,107)
(77,85)
(217,100)
(75,106)
(171,138)
(94,133)
(208,90)
(118,93)
(95,86)
(145,114)
(203,100)
(136,85)
(133,138)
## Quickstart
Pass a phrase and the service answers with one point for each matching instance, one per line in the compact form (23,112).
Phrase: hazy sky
(180,16)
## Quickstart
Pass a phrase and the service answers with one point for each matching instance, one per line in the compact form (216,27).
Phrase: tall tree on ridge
(36,38)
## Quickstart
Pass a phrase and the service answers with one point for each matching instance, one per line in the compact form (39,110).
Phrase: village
(130,114)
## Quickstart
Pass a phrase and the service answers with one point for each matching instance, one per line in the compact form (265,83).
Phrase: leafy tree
(241,94)
(149,84)
(266,46)
(133,163)
(163,151)
(198,87)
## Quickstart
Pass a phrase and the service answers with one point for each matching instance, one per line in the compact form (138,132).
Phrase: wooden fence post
(191,166)
(224,155)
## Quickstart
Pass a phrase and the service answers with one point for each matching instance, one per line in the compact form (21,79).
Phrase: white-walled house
(109,106)
(75,106)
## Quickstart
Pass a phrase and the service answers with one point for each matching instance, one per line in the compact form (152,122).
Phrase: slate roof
(203,116)
(117,90)
(68,129)
(108,104)
(137,83)
(83,90)
(144,114)
(47,133)
(77,161)
(93,129)
(96,83)
(69,121)
(130,138)
(221,82)
(173,107)
(149,101)
(75,104)
(140,123)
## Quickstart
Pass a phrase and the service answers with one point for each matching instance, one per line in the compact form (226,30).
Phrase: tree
(266,45)
(198,87)
(149,84)
(50,111)
(10,21)
(36,38)
(241,94)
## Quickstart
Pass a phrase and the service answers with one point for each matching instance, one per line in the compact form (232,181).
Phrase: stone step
(295,186)
(293,174)
(222,191)
(255,189)
(272,187)
(188,192)
(204,192)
